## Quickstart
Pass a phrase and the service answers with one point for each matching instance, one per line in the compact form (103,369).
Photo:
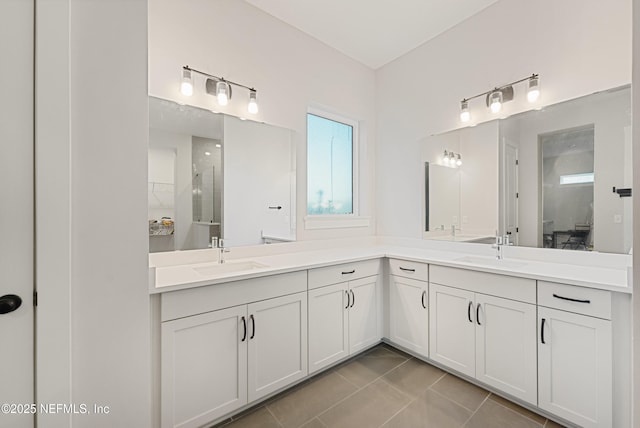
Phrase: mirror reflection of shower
(567,171)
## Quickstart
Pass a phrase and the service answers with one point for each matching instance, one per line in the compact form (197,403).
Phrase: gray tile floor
(387,388)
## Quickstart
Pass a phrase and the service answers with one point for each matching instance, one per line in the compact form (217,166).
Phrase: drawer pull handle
(353,299)
(424,294)
(244,326)
(570,299)
(253,325)
(349,272)
(469,311)
(407,269)
(542,332)
(478,314)
(348,299)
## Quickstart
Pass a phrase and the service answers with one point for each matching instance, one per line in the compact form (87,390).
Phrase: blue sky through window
(329,166)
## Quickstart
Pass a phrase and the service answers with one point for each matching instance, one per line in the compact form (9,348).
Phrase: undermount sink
(489,261)
(228,267)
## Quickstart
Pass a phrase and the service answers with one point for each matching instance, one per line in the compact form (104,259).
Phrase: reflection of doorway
(567,188)
(510,190)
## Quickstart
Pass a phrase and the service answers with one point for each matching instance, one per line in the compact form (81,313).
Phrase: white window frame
(333,221)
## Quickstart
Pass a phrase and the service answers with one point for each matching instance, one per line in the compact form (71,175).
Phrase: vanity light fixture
(496,97)
(533,92)
(495,101)
(186,87)
(220,87)
(465,115)
(253,102)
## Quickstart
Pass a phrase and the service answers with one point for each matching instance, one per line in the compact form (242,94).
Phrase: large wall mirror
(214,175)
(559,177)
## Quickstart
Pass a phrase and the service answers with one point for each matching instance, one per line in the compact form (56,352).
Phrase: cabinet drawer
(415,270)
(571,298)
(184,303)
(320,277)
(508,287)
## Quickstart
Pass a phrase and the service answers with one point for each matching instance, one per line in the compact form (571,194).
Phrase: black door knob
(9,303)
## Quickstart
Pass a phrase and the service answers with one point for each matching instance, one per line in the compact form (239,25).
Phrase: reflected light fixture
(496,97)
(465,115)
(186,87)
(451,159)
(220,87)
(253,102)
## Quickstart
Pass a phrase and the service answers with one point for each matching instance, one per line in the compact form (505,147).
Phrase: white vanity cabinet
(408,305)
(344,311)
(227,345)
(484,326)
(575,353)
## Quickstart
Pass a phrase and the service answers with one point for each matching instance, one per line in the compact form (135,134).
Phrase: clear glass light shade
(445,158)
(465,115)
(452,159)
(533,92)
(222,93)
(253,102)
(459,160)
(186,87)
(495,101)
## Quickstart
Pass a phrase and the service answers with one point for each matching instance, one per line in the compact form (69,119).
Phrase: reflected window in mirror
(331,172)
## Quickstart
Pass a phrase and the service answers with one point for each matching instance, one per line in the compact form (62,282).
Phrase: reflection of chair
(577,237)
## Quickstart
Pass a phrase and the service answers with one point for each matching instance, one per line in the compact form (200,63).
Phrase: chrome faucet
(221,250)
(498,246)
(453,230)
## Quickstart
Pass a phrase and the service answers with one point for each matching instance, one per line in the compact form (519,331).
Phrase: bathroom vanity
(552,337)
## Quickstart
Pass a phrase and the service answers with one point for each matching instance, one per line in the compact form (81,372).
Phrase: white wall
(577,47)
(92,105)
(290,70)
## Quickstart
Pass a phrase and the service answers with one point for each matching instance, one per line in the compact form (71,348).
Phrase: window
(583,178)
(330,165)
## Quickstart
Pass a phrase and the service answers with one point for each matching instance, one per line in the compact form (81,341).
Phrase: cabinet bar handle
(353,299)
(244,326)
(570,299)
(478,314)
(407,269)
(348,299)
(469,311)
(424,294)
(349,272)
(253,326)
(542,332)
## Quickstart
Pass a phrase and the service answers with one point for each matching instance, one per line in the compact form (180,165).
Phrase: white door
(510,190)
(506,346)
(574,364)
(16,209)
(452,339)
(408,314)
(277,343)
(204,367)
(328,325)
(363,313)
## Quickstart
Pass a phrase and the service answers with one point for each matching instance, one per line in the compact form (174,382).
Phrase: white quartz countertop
(195,274)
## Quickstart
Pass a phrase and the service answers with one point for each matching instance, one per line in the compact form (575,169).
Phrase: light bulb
(459,160)
(452,159)
(495,101)
(533,92)
(253,102)
(222,92)
(465,115)
(445,157)
(186,87)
